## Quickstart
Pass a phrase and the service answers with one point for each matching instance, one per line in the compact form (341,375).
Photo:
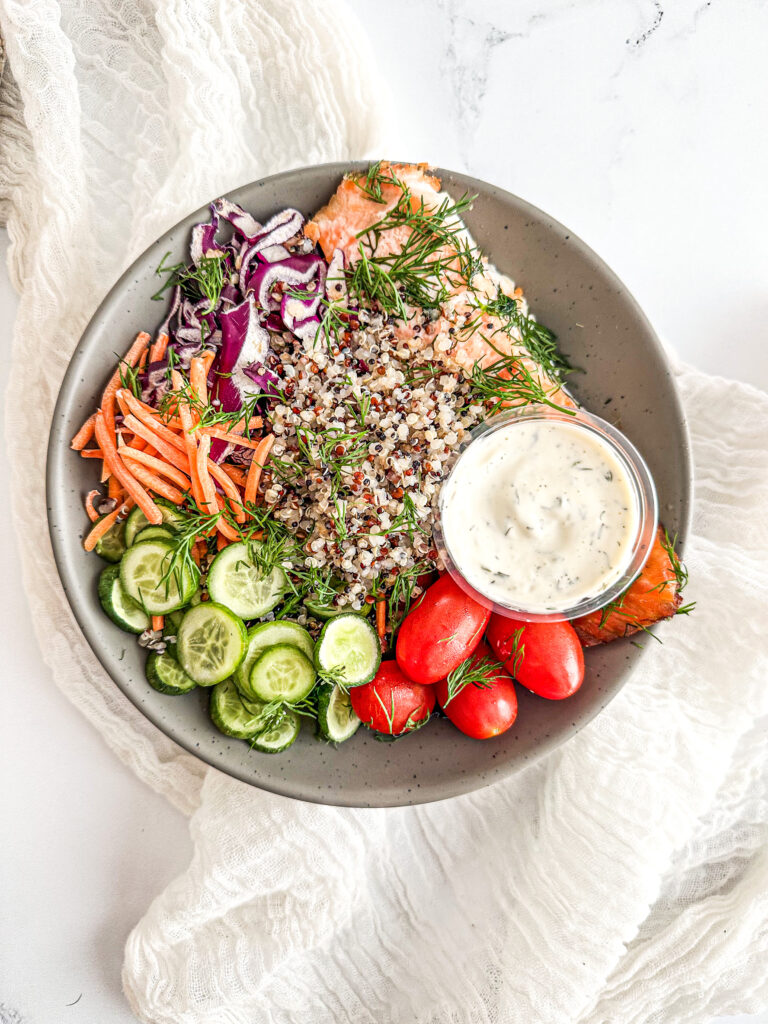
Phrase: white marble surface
(639,124)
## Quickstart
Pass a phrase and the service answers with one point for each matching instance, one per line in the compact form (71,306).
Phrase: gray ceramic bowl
(627,381)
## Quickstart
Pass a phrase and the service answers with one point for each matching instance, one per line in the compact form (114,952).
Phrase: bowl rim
(458,786)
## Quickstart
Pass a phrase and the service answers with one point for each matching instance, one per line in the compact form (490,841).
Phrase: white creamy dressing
(539,515)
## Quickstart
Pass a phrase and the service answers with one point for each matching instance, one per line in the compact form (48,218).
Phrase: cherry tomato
(440,632)
(552,661)
(481,711)
(391,703)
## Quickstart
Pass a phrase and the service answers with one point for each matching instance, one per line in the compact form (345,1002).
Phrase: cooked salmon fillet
(338,226)
(653,596)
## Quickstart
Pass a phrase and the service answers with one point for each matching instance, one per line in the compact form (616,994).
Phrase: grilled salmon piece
(653,596)
(351,210)
(655,593)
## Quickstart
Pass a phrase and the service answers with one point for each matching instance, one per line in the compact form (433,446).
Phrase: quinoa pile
(364,435)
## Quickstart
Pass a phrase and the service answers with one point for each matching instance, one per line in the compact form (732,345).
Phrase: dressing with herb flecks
(539,515)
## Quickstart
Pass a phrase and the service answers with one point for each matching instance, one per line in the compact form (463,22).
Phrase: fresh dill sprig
(202,281)
(189,525)
(376,177)
(508,382)
(129,378)
(401,595)
(479,672)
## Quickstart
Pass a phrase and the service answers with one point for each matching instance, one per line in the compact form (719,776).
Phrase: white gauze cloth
(625,878)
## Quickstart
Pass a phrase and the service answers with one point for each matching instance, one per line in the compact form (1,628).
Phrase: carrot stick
(239,476)
(116,466)
(115,383)
(227,435)
(84,434)
(195,552)
(258,462)
(221,542)
(143,359)
(197,375)
(155,483)
(207,357)
(114,490)
(91,453)
(254,423)
(381,617)
(101,527)
(146,413)
(93,515)
(189,438)
(171,450)
(208,490)
(157,352)
(158,621)
(157,465)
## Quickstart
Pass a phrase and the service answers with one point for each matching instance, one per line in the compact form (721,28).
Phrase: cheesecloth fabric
(625,878)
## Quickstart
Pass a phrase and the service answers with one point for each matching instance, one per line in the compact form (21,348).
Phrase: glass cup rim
(639,476)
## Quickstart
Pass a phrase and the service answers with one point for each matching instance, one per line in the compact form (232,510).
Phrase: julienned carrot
(144,411)
(117,468)
(239,476)
(156,465)
(114,490)
(258,462)
(158,621)
(115,382)
(381,617)
(221,542)
(157,352)
(84,434)
(227,435)
(155,483)
(91,453)
(196,555)
(231,491)
(143,359)
(207,357)
(208,490)
(93,515)
(188,436)
(165,442)
(101,527)
(197,379)
(254,423)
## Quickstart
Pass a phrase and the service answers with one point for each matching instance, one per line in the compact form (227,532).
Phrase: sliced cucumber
(153,533)
(336,718)
(111,546)
(265,635)
(123,611)
(348,649)
(282,673)
(142,572)
(165,674)
(138,521)
(323,611)
(237,583)
(231,715)
(211,642)
(280,737)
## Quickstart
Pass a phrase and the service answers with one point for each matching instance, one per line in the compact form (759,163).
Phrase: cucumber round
(280,737)
(211,642)
(336,718)
(267,634)
(165,674)
(282,673)
(240,585)
(231,715)
(142,571)
(123,611)
(348,650)
(137,521)
(153,532)
(111,546)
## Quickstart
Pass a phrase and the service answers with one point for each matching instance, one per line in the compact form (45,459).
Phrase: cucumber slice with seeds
(153,533)
(142,571)
(240,585)
(165,674)
(282,673)
(211,642)
(267,634)
(280,737)
(112,545)
(231,715)
(348,649)
(123,611)
(336,718)
(138,521)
